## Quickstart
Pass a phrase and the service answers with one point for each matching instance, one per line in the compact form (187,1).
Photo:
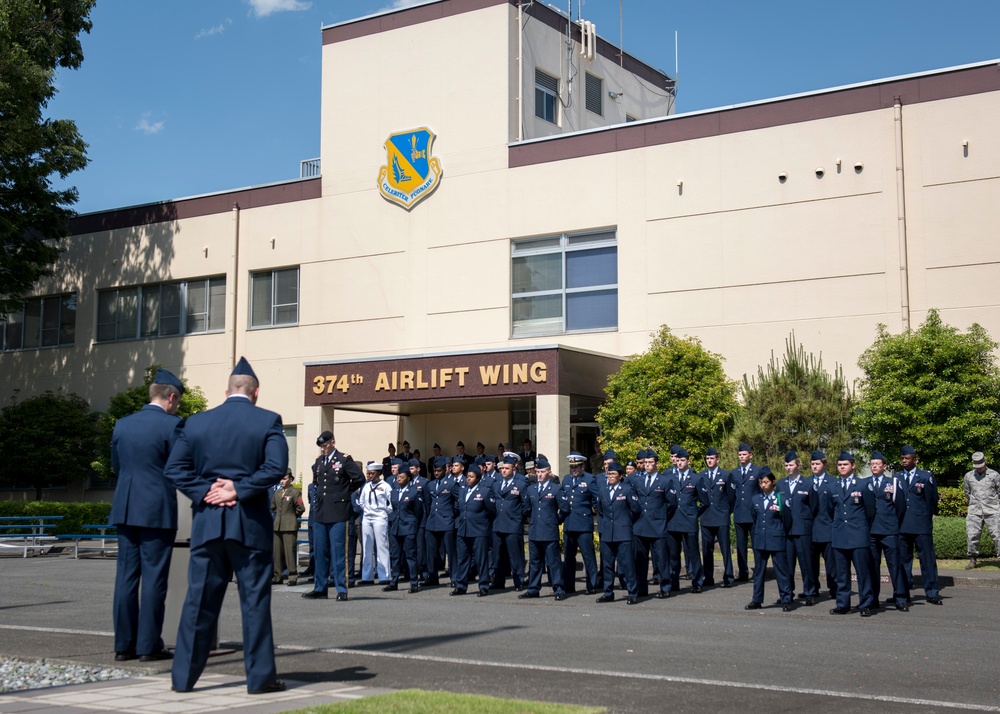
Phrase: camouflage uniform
(983,492)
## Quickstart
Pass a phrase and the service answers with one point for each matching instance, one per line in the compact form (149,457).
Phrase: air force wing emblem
(411,174)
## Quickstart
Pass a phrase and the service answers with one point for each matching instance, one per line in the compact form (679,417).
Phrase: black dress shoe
(315,595)
(527,595)
(810,602)
(662,595)
(482,593)
(390,588)
(935,601)
(457,591)
(560,597)
(866,612)
(124,656)
(518,588)
(606,598)
(654,581)
(632,601)
(292,583)
(686,576)
(753,606)
(306,573)
(727,585)
(414,589)
(155,656)
(840,611)
(277,685)
(696,590)
(342,596)
(903,608)
(787,607)
(366,582)
(743,579)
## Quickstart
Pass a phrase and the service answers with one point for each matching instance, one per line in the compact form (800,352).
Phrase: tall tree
(130,401)
(46,440)
(674,393)
(36,38)
(935,388)
(793,404)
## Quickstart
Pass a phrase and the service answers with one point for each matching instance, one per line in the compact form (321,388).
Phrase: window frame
(42,323)
(274,304)
(144,300)
(562,244)
(550,98)
(587,89)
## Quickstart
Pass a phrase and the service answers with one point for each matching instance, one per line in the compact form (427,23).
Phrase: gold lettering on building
(491,375)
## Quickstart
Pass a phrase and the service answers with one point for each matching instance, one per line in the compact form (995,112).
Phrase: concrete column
(552,412)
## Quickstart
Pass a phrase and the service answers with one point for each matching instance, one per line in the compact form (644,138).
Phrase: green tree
(129,402)
(46,440)
(36,37)
(935,388)
(795,404)
(674,393)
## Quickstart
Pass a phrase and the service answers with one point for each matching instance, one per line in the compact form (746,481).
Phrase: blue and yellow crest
(411,174)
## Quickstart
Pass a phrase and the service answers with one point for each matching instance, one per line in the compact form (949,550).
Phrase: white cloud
(214,30)
(148,127)
(400,4)
(263,8)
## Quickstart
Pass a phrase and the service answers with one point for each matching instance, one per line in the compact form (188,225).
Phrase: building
(475,256)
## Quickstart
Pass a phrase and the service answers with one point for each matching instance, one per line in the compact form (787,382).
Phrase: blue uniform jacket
(851,504)
(510,508)
(617,515)
(140,446)
(407,511)
(581,502)
(921,503)
(747,486)
(545,511)
(770,525)
(657,503)
(440,495)
(890,505)
(803,504)
(719,492)
(237,441)
(475,514)
(689,501)
(822,521)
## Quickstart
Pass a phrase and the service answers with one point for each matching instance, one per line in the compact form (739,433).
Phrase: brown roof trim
(270,195)
(407,17)
(779,112)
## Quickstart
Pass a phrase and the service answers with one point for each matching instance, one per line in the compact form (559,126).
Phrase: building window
(162,310)
(546,96)
(564,283)
(41,322)
(629,119)
(595,94)
(274,298)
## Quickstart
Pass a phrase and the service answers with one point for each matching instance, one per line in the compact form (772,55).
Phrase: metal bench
(98,536)
(30,533)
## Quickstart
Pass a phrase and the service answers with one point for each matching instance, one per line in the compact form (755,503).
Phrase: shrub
(950,540)
(75,514)
(952,502)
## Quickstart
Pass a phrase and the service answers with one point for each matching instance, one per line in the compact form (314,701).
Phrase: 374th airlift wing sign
(411,174)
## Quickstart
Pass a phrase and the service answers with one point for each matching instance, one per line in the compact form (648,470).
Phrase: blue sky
(183,97)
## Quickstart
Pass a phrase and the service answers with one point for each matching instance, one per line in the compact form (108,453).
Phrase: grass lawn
(416,701)
(959,564)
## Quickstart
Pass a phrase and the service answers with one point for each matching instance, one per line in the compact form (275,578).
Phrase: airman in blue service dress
(799,496)
(720,494)
(890,507)
(545,511)
(617,507)
(475,508)
(682,528)
(440,518)
(337,478)
(747,487)
(404,524)
(657,500)
(144,510)
(580,497)
(771,523)
(822,537)
(851,504)
(508,526)
(917,527)
(226,460)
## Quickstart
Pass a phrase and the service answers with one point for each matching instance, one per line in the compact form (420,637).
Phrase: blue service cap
(846,456)
(790,456)
(615,466)
(474,469)
(641,454)
(396,462)
(441,462)
(165,377)
(907,450)
(479,461)
(711,451)
(877,455)
(491,458)
(413,462)
(744,447)
(541,462)
(818,455)
(610,454)
(436,446)
(650,454)
(458,459)
(674,448)
(765,471)
(681,453)
(243,367)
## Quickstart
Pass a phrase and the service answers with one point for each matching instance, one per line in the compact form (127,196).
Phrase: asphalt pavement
(692,652)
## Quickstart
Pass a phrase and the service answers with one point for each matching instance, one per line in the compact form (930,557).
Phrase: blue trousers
(800,549)
(143,562)
(544,555)
(508,558)
(435,539)
(709,536)
(473,548)
(781,574)
(742,545)
(826,550)
(643,548)
(211,568)
(861,558)
(924,544)
(330,540)
(406,547)
(584,542)
(889,545)
(689,543)
(620,554)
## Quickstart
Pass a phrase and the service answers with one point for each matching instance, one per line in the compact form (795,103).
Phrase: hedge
(951,501)
(75,515)
(950,540)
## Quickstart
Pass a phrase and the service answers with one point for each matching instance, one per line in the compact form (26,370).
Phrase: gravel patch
(17,674)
